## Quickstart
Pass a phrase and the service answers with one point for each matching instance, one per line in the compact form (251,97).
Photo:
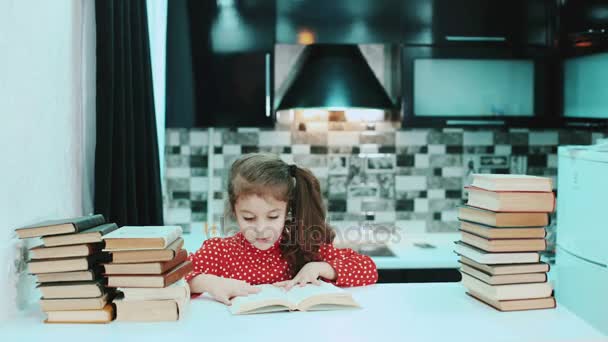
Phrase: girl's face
(260,219)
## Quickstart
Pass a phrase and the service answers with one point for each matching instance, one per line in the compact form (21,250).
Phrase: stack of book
(67,266)
(147,268)
(503,233)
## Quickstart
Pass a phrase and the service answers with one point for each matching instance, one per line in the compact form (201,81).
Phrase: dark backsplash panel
(410,179)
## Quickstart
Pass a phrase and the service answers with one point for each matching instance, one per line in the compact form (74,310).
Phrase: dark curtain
(127,173)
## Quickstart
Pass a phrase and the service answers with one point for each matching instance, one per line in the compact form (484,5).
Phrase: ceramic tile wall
(411,179)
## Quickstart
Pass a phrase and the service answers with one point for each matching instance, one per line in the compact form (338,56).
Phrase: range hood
(334,77)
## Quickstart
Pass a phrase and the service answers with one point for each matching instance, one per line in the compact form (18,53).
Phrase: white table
(391,312)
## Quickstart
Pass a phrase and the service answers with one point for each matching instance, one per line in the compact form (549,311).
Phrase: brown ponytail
(306,231)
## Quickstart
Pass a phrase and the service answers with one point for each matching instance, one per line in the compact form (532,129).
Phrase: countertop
(407,249)
(403,312)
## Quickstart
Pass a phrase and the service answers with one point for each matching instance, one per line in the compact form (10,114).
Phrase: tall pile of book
(67,266)
(147,268)
(503,232)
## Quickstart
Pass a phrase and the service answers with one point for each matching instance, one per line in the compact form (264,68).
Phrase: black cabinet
(479,85)
(219,63)
(233,89)
(584,27)
(339,21)
(478,22)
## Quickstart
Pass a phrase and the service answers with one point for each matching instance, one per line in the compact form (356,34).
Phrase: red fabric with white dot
(235,257)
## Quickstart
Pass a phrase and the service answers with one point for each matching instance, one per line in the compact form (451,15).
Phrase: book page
(270,295)
(298,294)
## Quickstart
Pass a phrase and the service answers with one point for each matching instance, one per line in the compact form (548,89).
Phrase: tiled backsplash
(411,179)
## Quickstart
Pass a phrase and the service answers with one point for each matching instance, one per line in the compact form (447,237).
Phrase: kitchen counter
(421,251)
(409,251)
(403,312)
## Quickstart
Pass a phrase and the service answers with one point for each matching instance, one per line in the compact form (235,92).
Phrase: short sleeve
(352,268)
(209,259)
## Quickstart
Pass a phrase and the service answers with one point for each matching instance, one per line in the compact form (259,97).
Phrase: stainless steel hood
(335,77)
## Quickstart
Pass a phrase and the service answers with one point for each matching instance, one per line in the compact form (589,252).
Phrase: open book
(310,297)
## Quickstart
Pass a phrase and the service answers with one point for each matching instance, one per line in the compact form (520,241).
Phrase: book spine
(88,222)
(110,228)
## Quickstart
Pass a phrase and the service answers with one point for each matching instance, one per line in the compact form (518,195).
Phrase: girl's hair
(266,174)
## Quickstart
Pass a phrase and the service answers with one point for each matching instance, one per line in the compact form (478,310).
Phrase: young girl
(282,240)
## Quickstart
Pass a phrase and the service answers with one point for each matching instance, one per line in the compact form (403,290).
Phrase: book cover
(148,255)
(490,232)
(506,292)
(63,304)
(150,310)
(501,219)
(90,235)
(145,237)
(94,273)
(505,279)
(508,182)
(158,281)
(178,290)
(105,315)
(60,226)
(504,245)
(497,269)
(42,252)
(516,304)
(39,266)
(484,257)
(77,289)
(146,268)
(511,201)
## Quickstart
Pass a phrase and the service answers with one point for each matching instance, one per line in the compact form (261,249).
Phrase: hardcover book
(61,226)
(90,235)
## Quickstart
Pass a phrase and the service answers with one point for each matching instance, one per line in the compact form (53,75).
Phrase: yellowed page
(270,298)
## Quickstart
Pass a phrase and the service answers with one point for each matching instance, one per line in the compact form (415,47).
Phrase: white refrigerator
(581,282)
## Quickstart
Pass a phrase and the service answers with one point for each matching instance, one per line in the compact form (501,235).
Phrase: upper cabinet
(584,27)
(339,21)
(416,22)
(469,22)
(219,63)
(235,26)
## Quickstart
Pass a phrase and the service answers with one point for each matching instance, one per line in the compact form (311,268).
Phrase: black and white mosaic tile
(412,179)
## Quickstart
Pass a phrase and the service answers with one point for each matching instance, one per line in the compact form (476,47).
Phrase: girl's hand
(224,289)
(310,273)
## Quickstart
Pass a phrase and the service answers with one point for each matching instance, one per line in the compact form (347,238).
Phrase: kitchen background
(374,173)
(392,104)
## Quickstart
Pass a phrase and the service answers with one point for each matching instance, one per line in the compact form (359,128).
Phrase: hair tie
(292,170)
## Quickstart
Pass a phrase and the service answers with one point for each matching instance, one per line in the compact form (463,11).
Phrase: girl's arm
(351,268)
(210,263)
(208,260)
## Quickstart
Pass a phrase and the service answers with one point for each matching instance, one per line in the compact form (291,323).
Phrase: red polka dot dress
(235,257)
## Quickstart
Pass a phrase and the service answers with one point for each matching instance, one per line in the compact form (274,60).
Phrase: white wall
(42,117)
(157,29)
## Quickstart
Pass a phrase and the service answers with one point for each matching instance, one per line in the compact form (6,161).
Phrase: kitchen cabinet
(584,27)
(339,21)
(479,85)
(478,22)
(219,63)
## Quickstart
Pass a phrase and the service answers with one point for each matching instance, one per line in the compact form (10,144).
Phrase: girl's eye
(248,218)
(273,217)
